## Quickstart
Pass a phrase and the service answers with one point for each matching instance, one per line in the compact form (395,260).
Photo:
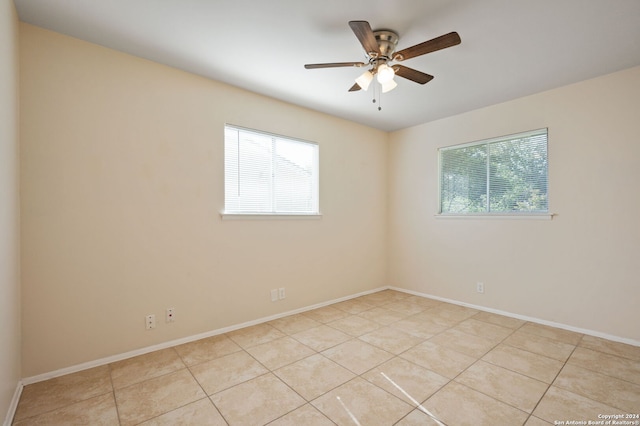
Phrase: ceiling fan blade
(363,31)
(335,65)
(413,75)
(432,45)
(355,88)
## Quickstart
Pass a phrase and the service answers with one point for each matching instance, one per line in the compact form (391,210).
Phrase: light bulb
(364,80)
(388,86)
(385,73)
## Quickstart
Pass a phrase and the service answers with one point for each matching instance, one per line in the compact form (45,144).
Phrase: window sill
(269,216)
(520,216)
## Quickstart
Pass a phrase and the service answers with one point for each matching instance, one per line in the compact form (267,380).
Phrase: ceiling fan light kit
(365,80)
(388,86)
(385,73)
(379,47)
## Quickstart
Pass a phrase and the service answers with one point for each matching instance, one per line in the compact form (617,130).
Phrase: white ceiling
(510,48)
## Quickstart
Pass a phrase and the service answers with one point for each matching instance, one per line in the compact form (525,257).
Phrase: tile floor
(387,358)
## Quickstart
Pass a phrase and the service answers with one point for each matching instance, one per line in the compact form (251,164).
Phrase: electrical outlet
(274,295)
(480,287)
(150,321)
(281,293)
(171,315)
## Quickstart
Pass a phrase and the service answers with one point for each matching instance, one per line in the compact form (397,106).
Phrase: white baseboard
(11,412)
(522,317)
(172,343)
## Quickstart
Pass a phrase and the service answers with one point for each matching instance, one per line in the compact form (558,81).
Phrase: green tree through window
(501,175)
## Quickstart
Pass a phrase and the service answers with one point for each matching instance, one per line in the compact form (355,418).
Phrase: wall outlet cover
(150,322)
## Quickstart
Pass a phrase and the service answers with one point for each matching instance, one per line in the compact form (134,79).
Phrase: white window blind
(500,175)
(269,174)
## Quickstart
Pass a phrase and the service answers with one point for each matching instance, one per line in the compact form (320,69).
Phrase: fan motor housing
(387,42)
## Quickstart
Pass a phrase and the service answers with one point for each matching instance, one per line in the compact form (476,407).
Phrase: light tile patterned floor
(387,358)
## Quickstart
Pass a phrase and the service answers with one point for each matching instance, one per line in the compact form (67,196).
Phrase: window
(269,174)
(504,175)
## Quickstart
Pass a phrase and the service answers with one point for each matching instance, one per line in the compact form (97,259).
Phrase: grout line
(113,391)
(479,359)
(217,409)
(551,384)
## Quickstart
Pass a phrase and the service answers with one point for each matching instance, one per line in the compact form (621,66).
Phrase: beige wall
(122,184)
(122,169)
(580,269)
(9,208)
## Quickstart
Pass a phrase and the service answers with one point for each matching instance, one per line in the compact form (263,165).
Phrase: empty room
(320,213)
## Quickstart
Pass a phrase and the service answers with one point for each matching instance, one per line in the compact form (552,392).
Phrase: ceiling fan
(379,47)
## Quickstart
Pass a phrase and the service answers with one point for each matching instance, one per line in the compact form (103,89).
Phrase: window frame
(497,214)
(233,215)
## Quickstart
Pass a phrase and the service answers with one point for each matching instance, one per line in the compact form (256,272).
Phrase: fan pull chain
(374,93)
(377,91)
